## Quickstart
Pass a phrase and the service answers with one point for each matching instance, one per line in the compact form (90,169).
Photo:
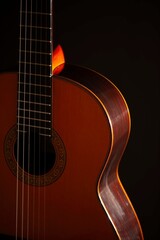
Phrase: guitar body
(81,196)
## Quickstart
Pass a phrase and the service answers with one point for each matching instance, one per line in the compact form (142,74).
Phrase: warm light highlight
(58,60)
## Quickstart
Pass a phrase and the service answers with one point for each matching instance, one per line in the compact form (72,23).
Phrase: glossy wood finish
(88,201)
(111,192)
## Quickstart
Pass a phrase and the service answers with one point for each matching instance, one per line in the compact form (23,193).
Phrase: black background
(121,40)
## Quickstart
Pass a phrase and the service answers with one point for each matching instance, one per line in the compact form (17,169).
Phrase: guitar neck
(35,65)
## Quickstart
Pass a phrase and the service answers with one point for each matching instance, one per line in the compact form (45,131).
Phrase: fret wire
(36,64)
(28,125)
(43,53)
(35,74)
(28,110)
(18,130)
(36,85)
(35,119)
(46,135)
(36,103)
(30,26)
(41,13)
(36,40)
(36,94)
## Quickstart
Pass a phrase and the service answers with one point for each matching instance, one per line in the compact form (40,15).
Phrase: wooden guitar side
(87,201)
(110,190)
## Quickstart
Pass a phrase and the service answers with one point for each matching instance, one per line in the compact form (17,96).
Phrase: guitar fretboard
(35,66)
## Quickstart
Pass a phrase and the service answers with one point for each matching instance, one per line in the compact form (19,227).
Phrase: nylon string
(24,124)
(29,129)
(40,60)
(34,129)
(23,131)
(18,129)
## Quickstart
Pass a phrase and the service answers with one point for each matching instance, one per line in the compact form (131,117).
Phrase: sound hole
(35,153)
(40,160)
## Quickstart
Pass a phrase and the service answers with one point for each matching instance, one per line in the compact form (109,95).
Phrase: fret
(34,111)
(35,103)
(33,26)
(40,13)
(45,135)
(31,85)
(35,52)
(21,131)
(35,64)
(35,40)
(36,85)
(34,94)
(33,126)
(34,74)
(34,119)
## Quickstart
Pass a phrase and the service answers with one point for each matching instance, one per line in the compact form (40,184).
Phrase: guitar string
(24,140)
(24,124)
(44,189)
(44,192)
(39,24)
(34,204)
(18,132)
(38,70)
(29,128)
(18,144)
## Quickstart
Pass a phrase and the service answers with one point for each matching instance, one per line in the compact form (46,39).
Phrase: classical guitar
(63,132)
